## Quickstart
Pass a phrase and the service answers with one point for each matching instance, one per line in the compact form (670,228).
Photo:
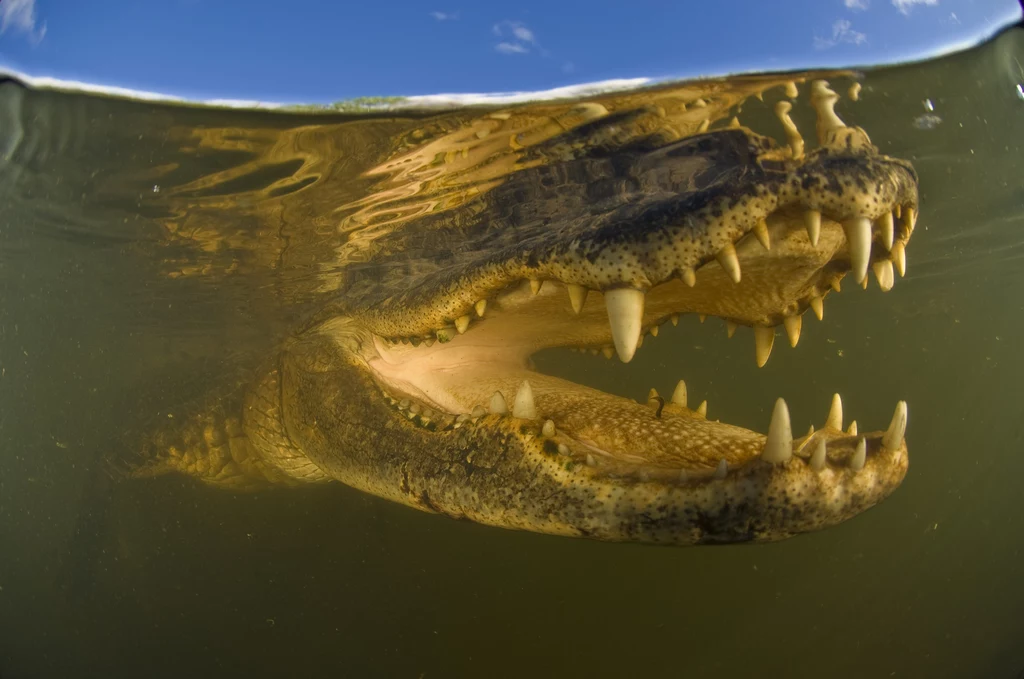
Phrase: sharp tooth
(910,219)
(898,211)
(534,286)
(498,405)
(793,324)
(429,342)
(674,319)
(608,351)
(479,411)
(548,430)
(860,455)
(779,446)
(852,429)
(721,469)
(858,238)
(702,317)
(835,414)
(481,307)
(734,123)
(818,306)
(679,395)
(812,222)
(764,337)
(897,428)
(836,284)
(640,341)
(702,409)
(818,456)
(810,430)
(577,296)
(689,277)
(899,257)
(653,395)
(524,407)
(864,283)
(625,315)
(704,125)
(730,328)
(883,272)
(590,460)
(462,323)
(654,331)
(563,449)
(887,228)
(761,232)
(727,258)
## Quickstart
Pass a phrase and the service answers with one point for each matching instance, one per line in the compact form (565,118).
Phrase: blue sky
(320,51)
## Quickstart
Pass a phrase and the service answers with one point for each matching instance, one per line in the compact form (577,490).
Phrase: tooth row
(778,447)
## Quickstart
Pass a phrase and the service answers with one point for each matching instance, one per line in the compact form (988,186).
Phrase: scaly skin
(403,386)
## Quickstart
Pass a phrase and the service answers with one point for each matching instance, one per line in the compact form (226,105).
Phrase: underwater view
(524,389)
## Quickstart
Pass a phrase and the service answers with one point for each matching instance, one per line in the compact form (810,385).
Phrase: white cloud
(856,4)
(445,16)
(21,16)
(842,33)
(518,38)
(511,48)
(904,6)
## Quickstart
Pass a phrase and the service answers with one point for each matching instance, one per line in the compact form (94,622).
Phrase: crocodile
(416,384)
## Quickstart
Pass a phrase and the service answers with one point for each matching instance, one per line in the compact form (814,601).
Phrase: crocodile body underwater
(415,383)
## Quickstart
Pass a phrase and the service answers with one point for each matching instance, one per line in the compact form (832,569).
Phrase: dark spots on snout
(550,447)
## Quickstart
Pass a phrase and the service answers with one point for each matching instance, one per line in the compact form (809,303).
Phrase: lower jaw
(617,434)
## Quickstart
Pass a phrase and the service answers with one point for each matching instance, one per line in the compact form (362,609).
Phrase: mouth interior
(460,377)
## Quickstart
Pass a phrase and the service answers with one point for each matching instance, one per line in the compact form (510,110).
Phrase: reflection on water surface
(154,257)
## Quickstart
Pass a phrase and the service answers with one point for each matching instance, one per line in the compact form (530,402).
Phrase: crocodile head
(429,398)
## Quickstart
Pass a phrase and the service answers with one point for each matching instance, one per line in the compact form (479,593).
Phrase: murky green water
(148,252)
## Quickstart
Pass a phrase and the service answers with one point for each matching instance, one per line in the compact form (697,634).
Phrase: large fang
(764,337)
(860,455)
(812,222)
(835,414)
(498,405)
(524,407)
(818,456)
(625,315)
(779,446)
(887,227)
(897,428)
(883,272)
(727,258)
(818,306)
(679,395)
(858,236)
(577,296)
(730,328)
(535,286)
(899,257)
(761,232)
(793,324)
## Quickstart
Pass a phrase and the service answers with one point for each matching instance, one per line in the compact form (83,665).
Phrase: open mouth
(763,233)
